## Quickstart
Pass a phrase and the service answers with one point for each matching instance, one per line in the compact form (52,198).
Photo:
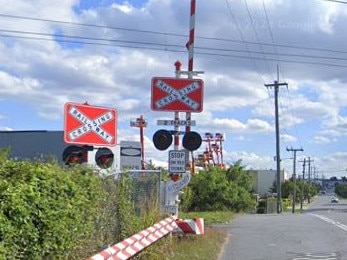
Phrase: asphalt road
(318,233)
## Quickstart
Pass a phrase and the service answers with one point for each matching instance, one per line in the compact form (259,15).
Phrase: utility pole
(309,180)
(294,174)
(276,86)
(303,178)
(307,160)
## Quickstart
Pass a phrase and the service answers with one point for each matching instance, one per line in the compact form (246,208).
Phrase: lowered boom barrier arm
(136,243)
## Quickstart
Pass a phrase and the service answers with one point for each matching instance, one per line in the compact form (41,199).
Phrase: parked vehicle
(334,200)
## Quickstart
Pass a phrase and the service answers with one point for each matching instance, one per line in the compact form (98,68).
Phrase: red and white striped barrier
(136,243)
(191,226)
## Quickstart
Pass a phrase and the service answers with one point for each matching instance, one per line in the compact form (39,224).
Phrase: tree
(219,189)
(341,190)
(236,173)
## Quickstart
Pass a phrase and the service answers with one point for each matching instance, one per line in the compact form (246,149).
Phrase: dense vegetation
(341,190)
(303,189)
(219,189)
(52,212)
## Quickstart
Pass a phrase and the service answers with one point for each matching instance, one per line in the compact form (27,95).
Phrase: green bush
(51,212)
(341,190)
(45,210)
(218,189)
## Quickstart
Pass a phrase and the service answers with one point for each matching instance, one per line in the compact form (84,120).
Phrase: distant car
(334,200)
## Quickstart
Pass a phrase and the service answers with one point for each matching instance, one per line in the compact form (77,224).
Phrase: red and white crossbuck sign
(90,125)
(176,94)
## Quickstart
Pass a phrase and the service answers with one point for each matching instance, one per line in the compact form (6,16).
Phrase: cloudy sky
(106,52)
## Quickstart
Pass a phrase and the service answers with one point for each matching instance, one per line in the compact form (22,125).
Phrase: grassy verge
(204,247)
(216,217)
(192,247)
(207,246)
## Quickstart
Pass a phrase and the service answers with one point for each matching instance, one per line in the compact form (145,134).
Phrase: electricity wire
(243,41)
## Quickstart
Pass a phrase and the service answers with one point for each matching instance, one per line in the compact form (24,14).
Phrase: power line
(166,49)
(87,38)
(174,34)
(106,42)
(170,45)
(334,1)
(256,34)
(243,40)
(269,27)
(89,25)
(292,114)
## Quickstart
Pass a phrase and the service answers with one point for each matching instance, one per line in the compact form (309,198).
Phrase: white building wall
(263,180)
(266,178)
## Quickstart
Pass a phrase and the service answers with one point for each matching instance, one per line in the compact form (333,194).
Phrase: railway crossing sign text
(177,161)
(176,122)
(89,125)
(176,94)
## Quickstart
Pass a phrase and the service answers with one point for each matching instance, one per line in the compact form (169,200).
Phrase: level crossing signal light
(191,141)
(162,139)
(73,155)
(104,158)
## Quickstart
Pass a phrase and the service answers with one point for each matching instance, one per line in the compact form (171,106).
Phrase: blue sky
(112,49)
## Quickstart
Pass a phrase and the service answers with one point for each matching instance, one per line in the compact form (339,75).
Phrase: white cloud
(288,138)
(321,140)
(46,74)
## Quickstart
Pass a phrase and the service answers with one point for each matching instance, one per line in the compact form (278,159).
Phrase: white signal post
(177,118)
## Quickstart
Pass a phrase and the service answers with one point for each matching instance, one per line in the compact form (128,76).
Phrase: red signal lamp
(73,155)
(104,158)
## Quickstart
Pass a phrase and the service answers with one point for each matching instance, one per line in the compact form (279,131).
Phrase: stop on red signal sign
(90,125)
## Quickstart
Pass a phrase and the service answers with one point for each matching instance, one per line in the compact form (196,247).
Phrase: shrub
(341,190)
(217,189)
(45,210)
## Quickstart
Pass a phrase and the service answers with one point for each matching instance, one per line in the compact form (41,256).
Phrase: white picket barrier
(136,243)
(190,226)
(133,245)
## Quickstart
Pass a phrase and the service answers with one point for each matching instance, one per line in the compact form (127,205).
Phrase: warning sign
(89,125)
(175,94)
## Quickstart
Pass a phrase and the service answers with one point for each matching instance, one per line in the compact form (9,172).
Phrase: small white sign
(173,187)
(130,155)
(177,161)
(176,122)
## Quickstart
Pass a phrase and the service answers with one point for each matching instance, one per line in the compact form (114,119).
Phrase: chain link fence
(147,189)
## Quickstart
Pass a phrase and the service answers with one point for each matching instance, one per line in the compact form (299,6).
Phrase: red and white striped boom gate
(133,245)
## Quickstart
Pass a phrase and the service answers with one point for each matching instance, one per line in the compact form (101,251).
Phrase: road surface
(318,233)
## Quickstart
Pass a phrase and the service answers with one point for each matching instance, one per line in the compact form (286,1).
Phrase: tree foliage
(303,189)
(341,190)
(219,189)
(51,212)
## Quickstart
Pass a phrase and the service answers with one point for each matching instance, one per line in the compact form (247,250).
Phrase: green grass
(202,247)
(215,217)
(207,246)
(191,247)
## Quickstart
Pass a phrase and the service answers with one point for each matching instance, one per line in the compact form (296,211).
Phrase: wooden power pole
(276,86)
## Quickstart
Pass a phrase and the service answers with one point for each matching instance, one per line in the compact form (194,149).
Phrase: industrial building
(49,145)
